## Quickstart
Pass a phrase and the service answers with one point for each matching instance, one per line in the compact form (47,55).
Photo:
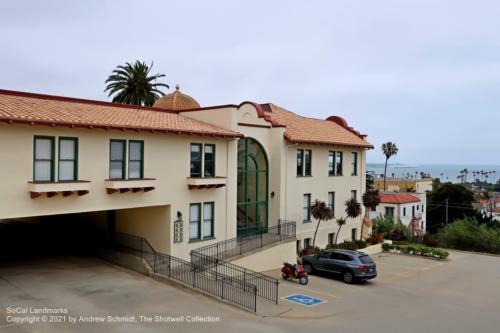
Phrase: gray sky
(424,74)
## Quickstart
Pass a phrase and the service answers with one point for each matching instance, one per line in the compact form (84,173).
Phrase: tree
(389,149)
(132,84)
(371,199)
(352,210)
(370,180)
(459,205)
(321,212)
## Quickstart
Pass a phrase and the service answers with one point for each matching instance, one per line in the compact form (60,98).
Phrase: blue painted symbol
(304,300)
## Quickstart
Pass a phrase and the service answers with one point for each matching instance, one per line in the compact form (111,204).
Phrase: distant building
(406,208)
(404,185)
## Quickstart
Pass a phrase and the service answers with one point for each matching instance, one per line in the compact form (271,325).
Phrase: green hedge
(416,249)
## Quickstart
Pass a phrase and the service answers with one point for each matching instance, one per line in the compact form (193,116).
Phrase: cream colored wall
(269,259)
(166,158)
(319,184)
(221,117)
(151,223)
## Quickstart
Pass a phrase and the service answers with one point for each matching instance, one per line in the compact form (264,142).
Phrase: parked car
(351,265)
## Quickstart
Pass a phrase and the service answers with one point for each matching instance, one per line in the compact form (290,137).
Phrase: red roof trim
(328,143)
(398,198)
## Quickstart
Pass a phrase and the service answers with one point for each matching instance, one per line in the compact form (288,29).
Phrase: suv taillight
(362,267)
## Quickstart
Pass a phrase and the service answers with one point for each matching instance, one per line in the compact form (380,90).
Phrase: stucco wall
(166,158)
(269,258)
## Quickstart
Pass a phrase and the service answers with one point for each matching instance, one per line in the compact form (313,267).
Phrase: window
(417,207)
(389,211)
(117,159)
(354,194)
(135,159)
(43,164)
(404,211)
(68,159)
(307,242)
(412,211)
(208,219)
(297,245)
(196,160)
(308,162)
(209,161)
(331,202)
(331,163)
(354,234)
(354,164)
(307,208)
(300,162)
(422,208)
(331,238)
(194,221)
(338,163)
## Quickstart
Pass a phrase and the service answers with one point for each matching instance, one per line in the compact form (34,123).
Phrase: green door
(252,187)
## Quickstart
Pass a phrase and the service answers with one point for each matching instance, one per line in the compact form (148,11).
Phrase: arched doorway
(253,174)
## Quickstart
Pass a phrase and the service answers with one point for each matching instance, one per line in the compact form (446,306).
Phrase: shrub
(310,250)
(416,249)
(398,235)
(346,245)
(430,241)
(383,225)
(375,238)
(360,243)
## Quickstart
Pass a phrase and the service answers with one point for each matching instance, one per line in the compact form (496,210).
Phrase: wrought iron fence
(213,257)
(283,231)
(214,282)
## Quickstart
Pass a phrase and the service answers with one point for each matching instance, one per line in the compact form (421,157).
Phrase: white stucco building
(227,170)
(406,208)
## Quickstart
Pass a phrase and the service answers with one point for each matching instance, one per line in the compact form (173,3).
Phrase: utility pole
(446,219)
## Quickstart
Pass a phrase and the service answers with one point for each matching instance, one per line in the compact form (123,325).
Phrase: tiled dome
(176,101)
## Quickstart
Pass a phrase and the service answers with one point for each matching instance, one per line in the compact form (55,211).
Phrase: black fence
(213,282)
(284,231)
(213,257)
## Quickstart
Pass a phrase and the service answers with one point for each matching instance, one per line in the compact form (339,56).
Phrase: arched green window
(253,187)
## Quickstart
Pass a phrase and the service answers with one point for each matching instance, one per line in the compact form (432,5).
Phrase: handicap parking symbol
(304,300)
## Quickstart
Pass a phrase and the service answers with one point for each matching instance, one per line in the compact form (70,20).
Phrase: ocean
(443,171)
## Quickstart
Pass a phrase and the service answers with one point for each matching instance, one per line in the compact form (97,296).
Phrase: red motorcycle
(295,272)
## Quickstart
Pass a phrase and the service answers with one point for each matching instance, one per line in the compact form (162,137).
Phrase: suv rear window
(366,259)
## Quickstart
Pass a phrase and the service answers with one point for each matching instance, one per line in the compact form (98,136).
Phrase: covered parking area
(80,233)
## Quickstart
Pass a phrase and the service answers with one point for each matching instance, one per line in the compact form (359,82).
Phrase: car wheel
(347,277)
(308,268)
(285,276)
(303,281)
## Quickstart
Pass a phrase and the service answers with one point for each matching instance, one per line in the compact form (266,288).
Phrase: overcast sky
(423,74)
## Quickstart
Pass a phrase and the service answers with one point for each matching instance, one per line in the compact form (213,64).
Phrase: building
(406,208)
(404,185)
(180,175)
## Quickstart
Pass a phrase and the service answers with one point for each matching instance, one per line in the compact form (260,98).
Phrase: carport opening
(79,233)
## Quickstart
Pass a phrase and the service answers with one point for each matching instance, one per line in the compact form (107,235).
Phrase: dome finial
(177,87)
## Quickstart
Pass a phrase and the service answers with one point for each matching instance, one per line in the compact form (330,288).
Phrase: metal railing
(213,282)
(284,231)
(213,257)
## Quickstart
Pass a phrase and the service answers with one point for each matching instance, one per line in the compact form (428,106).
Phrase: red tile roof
(21,107)
(398,198)
(333,131)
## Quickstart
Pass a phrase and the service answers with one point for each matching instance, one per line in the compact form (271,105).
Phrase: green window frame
(196,160)
(354,164)
(331,163)
(208,220)
(331,202)
(307,242)
(300,162)
(68,160)
(135,159)
(354,234)
(331,238)
(307,162)
(41,161)
(194,221)
(209,160)
(115,160)
(339,163)
(306,208)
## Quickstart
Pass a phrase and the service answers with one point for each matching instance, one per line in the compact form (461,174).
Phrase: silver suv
(351,265)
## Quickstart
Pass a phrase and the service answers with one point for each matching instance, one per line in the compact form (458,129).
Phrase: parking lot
(409,295)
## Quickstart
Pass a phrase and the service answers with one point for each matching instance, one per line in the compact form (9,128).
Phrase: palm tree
(132,84)
(352,210)
(371,200)
(321,212)
(389,149)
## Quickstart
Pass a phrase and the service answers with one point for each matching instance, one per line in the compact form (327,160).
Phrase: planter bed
(416,249)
